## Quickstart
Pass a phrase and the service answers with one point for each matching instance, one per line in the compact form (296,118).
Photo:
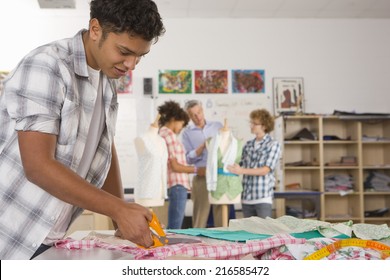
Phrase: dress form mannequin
(152,153)
(224,143)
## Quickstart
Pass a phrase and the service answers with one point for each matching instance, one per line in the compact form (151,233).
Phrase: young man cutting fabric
(57,113)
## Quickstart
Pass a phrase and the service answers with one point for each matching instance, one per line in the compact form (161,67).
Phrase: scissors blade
(182,240)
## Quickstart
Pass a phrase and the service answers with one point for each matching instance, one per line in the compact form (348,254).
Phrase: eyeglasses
(254,124)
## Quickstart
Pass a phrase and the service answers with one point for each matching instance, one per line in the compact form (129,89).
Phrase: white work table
(96,253)
(83,254)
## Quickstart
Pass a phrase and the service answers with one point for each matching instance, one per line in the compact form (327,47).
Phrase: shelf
(340,142)
(368,142)
(302,167)
(338,194)
(375,167)
(341,167)
(301,142)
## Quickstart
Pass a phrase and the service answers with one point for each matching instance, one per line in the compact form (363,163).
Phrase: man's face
(196,115)
(256,127)
(117,53)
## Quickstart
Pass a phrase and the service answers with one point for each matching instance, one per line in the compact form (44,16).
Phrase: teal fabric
(315,234)
(242,235)
(221,172)
(227,184)
(236,236)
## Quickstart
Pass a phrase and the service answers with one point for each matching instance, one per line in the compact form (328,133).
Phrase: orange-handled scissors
(158,234)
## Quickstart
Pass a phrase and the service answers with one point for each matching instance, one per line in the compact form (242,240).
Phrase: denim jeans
(177,203)
(261,210)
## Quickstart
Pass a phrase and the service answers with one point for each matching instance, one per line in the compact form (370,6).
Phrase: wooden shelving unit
(313,163)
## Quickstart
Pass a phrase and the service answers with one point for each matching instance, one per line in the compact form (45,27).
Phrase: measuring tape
(331,248)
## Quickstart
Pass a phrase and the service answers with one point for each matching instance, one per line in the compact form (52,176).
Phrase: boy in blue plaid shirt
(259,158)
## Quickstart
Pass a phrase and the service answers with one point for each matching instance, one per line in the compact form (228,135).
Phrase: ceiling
(244,8)
(275,8)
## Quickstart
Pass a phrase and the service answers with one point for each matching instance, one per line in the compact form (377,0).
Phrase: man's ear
(95,30)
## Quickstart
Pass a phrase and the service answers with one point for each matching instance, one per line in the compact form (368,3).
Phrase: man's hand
(201,171)
(133,224)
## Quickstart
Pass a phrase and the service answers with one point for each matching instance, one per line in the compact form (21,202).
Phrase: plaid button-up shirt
(175,150)
(49,92)
(267,154)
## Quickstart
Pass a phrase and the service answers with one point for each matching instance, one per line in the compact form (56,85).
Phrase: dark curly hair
(172,110)
(136,17)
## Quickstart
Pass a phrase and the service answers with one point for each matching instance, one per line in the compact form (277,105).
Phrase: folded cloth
(303,134)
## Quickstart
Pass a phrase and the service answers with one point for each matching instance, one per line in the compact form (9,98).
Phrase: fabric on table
(242,235)
(220,251)
(374,232)
(293,225)
(235,236)
(343,253)
(277,247)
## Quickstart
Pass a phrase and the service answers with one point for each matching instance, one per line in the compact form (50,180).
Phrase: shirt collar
(80,59)
(192,126)
(265,139)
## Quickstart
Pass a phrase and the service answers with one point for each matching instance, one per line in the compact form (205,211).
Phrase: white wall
(345,63)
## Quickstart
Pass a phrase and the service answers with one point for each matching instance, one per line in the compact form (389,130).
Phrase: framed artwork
(125,84)
(288,95)
(211,81)
(3,74)
(175,81)
(248,81)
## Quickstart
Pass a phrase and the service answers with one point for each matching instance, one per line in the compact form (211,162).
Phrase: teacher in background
(194,138)
(258,161)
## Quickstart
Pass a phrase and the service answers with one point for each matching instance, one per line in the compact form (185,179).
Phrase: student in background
(57,117)
(173,119)
(258,162)
(194,139)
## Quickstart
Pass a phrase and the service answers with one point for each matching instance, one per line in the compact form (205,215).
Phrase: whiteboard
(234,108)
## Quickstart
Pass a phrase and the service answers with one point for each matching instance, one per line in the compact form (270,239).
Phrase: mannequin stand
(225,215)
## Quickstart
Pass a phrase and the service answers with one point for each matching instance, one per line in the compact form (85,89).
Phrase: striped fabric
(219,251)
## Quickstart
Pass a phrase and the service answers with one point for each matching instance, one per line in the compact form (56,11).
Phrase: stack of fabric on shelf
(377,181)
(339,183)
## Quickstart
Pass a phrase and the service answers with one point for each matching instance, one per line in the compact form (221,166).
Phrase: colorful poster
(211,81)
(125,84)
(175,81)
(248,81)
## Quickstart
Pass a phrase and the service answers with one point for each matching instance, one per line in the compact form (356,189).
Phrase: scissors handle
(155,224)
(159,239)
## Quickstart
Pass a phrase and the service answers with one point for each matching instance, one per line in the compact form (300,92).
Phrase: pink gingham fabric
(219,251)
